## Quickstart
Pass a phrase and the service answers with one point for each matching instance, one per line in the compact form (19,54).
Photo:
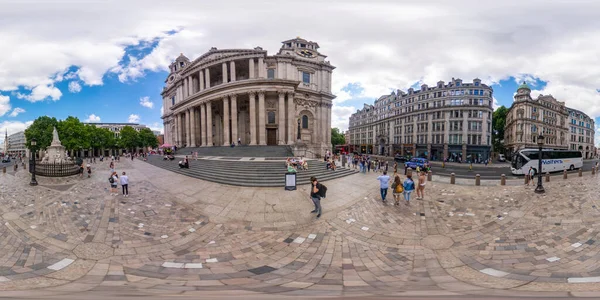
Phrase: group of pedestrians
(114,180)
(400,187)
(366,164)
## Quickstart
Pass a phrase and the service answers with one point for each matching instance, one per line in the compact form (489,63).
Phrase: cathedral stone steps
(239,151)
(248,173)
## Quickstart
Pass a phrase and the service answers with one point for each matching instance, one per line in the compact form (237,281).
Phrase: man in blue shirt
(384,181)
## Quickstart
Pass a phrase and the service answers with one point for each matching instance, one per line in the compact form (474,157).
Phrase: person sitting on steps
(184,163)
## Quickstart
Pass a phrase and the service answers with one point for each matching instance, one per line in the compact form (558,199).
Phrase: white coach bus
(552,161)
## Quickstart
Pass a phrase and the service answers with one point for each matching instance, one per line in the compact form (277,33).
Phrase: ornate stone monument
(55,162)
(55,153)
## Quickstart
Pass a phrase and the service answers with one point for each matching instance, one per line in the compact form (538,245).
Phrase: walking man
(125,184)
(316,192)
(384,181)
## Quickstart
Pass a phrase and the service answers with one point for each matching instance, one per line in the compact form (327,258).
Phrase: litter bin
(290,181)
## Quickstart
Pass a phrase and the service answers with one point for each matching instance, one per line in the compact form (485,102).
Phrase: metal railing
(54,169)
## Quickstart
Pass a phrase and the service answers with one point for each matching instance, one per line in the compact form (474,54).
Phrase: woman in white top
(421,187)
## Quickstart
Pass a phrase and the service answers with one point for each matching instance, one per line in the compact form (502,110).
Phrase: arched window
(271,117)
(304,122)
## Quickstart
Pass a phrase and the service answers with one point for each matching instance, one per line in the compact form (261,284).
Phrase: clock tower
(301,48)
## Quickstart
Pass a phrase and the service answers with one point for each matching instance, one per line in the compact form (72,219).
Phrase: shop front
(437,152)
(455,153)
(422,151)
(477,154)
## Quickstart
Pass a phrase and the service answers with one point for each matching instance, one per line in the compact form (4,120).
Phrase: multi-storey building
(528,118)
(116,127)
(450,121)
(244,94)
(581,133)
(16,143)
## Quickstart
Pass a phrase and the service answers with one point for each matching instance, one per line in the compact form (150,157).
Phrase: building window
(271,117)
(271,73)
(306,77)
(173,100)
(304,122)
(476,83)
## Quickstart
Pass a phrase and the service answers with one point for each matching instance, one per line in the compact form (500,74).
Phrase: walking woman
(409,187)
(421,187)
(397,189)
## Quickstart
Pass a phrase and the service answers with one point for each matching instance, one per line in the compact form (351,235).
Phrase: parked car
(501,158)
(413,163)
(400,158)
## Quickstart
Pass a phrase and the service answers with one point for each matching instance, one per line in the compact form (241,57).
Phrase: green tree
(337,138)
(128,138)
(41,130)
(498,123)
(73,134)
(147,138)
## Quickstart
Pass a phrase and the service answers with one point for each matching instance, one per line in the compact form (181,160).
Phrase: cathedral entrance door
(271,136)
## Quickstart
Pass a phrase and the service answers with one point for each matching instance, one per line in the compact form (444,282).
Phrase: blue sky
(60,59)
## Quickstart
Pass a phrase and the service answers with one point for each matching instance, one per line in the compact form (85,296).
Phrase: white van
(501,158)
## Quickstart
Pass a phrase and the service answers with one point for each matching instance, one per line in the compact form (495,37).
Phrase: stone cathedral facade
(230,95)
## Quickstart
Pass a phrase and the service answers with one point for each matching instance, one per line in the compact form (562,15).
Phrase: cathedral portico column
(192,127)
(281,122)
(203,123)
(188,128)
(179,130)
(185,87)
(261,119)
(209,124)
(252,106)
(291,120)
(232,70)
(234,117)
(226,141)
(190,85)
(251,68)
(207,77)
(261,66)
(225,73)
(201,76)
(328,129)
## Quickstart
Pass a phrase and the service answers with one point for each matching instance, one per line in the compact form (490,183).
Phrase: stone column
(188,128)
(225,73)
(261,66)
(251,68)
(291,120)
(209,125)
(185,87)
(323,122)
(207,76)
(180,130)
(201,76)
(281,122)
(203,124)
(232,70)
(234,117)
(328,125)
(261,119)
(252,104)
(193,127)
(190,86)
(226,141)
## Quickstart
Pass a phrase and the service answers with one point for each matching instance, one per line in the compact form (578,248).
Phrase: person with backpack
(383,185)
(409,187)
(125,184)
(317,191)
(113,183)
(397,189)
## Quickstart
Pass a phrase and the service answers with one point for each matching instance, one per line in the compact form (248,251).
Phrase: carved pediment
(305,102)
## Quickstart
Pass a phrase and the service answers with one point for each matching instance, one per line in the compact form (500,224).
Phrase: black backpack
(322,191)
(111,179)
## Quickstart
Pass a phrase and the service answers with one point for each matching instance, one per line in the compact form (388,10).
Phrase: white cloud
(92,119)
(145,102)
(133,118)
(74,87)
(12,127)
(4,105)
(157,127)
(42,92)
(16,112)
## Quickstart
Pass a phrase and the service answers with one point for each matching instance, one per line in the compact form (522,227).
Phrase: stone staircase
(239,151)
(266,173)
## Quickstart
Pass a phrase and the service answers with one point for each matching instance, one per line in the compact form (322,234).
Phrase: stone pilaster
(281,122)
(261,119)
(185,87)
(291,120)
(261,67)
(234,117)
(232,70)
(188,128)
(224,66)
(203,124)
(226,141)
(251,68)
(209,124)
(252,106)
(201,76)
(190,85)
(193,127)
(207,77)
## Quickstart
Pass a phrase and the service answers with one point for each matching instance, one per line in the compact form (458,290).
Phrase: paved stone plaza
(176,235)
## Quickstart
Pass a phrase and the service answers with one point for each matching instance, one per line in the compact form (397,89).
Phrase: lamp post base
(33,182)
(539,189)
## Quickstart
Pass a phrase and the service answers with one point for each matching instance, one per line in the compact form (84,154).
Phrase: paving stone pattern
(177,234)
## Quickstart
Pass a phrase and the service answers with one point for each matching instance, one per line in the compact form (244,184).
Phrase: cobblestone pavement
(176,235)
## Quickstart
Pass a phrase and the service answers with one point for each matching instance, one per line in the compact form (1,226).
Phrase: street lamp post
(33,146)
(540,188)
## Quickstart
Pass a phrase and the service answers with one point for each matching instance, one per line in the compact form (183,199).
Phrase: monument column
(203,124)
(193,127)
(225,73)
(291,120)
(209,124)
(201,76)
(251,68)
(261,118)
(232,70)
(207,78)
(226,141)
(234,117)
(252,104)
(281,122)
